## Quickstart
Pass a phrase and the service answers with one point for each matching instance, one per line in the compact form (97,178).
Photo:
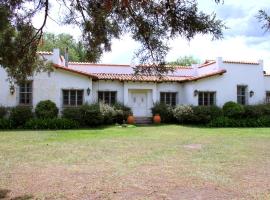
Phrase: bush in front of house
(51,124)
(183,113)
(121,112)
(254,111)
(204,114)
(19,115)
(3,112)
(263,121)
(165,112)
(232,109)
(108,113)
(5,123)
(72,113)
(46,110)
(91,115)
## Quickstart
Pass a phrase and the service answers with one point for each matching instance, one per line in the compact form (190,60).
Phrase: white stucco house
(211,83)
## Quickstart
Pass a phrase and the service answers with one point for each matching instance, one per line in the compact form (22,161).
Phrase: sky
(243,40)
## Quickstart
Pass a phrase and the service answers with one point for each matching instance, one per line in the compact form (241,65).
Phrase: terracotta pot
(130,119)
(157,119)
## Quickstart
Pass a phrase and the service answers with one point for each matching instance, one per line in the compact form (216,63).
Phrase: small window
(108,97)
(72,97)
(168,98)
(242,94)
(25,93)
(268,97)
(207,98)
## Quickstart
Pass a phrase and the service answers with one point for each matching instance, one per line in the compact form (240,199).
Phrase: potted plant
(130,119)
(157,119)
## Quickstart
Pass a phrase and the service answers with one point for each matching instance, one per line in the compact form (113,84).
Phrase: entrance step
(143,120)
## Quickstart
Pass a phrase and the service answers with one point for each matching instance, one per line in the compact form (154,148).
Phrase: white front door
(138,103)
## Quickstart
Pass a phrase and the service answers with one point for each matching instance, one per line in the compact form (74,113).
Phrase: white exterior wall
(50,85)
(225,85)
(46,86)
(6,99)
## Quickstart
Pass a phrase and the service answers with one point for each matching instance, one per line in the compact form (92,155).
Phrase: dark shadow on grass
(23,197)
(4,193)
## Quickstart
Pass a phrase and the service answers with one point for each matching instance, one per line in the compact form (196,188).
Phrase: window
(168,98)
(207,98)
(268,97)
(242,94)
(25,93)
(72,97)
(108,97)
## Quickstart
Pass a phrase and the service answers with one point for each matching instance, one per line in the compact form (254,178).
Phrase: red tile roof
(88,64)
(220,72)
(240,62)
(74,71)
(131,77)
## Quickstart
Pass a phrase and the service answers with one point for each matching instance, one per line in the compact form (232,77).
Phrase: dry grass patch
(164,162)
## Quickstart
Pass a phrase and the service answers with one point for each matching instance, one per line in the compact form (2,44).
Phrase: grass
(155,162)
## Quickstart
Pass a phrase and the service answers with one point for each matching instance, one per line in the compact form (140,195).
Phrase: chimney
(56,56)
(66,57)
(260,62)
(196,70)
(219,62)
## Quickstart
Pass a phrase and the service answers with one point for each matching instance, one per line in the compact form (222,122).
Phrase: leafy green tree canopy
(62,41)
(152,23)
(185,61)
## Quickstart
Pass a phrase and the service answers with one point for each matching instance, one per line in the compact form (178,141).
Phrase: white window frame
(170,103)
(110,96)
(25,93)
(206,101)
(69,98)
(267,97)
(242,95)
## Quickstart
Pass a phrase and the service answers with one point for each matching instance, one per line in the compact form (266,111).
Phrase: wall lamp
(195,93)
(88,90)
(251,93)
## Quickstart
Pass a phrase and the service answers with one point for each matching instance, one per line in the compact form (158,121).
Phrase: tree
(150,22)
(62,41)
(265,19)
(185,61)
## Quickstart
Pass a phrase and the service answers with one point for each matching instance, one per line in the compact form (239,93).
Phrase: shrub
(264,121)
(91,115)
(20,115)
(108,112)
(220,122)
(165,112)
(5,124)
(46,110)
(253,111)
(183,113)
(121,112)
(72,113)
(3,112)
(232,109)
(54,123)
(204,114)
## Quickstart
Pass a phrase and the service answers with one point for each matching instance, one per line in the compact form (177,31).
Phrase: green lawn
(155,162)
